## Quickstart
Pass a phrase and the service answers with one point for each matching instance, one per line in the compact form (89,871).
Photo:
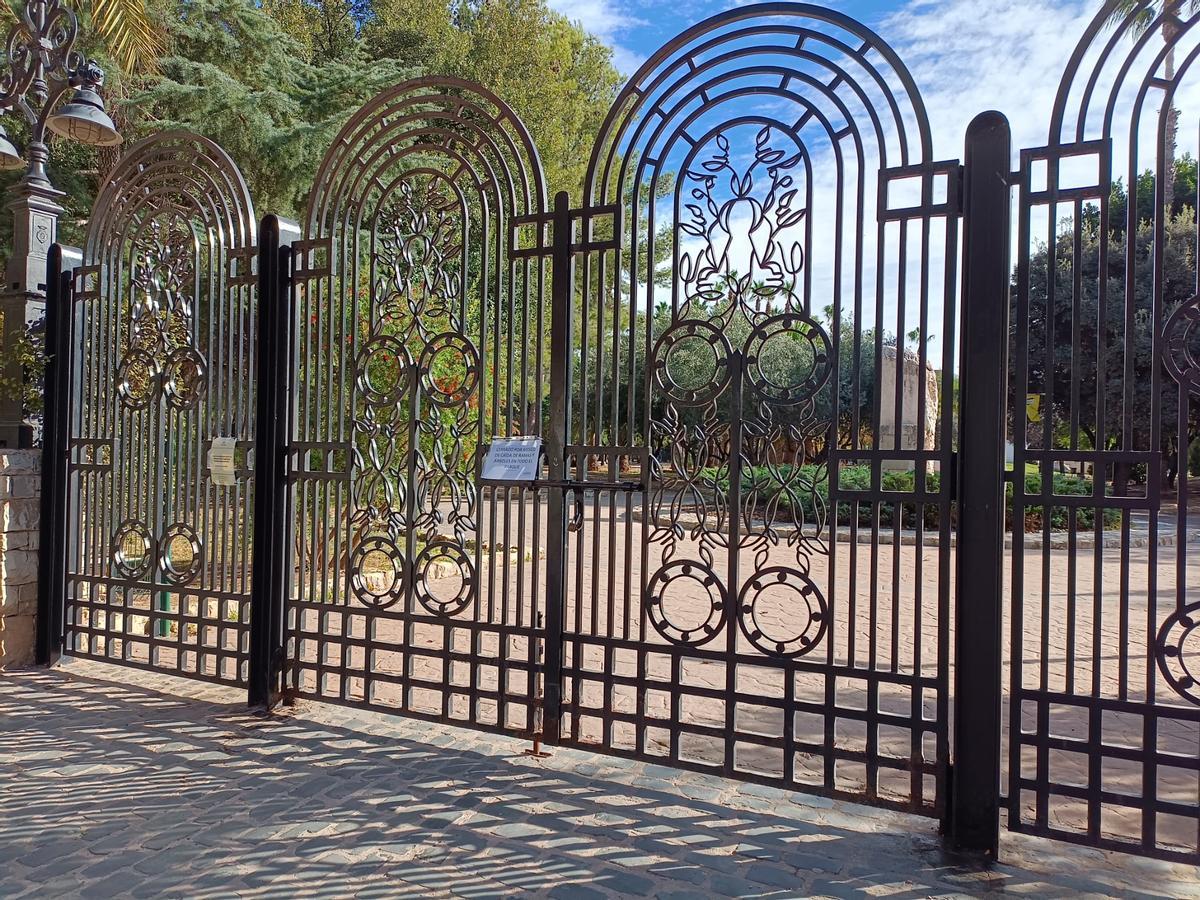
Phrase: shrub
(767,486)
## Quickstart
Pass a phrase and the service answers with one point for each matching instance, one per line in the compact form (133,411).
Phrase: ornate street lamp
(43,68)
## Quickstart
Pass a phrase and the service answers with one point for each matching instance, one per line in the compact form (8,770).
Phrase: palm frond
(1141,19)
(129,32)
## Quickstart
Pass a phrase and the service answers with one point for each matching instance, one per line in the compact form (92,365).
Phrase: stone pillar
(906,421)
(20,487)
(23,298)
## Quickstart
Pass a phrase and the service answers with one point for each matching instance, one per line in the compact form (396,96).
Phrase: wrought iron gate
(740,353)
(1104,709)
(758,573)
(163,332)
(417,339)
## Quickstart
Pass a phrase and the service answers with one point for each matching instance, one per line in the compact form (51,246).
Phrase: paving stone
(775,876)
(576,892)
(732,886)
(324,803)
(54,855)
(626,883)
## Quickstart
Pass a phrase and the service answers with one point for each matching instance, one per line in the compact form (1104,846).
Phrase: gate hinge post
(973,798)
(52,527)
(561,296)
(271,529)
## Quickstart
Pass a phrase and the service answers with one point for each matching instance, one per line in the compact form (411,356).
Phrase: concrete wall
(906,419)
(20,489)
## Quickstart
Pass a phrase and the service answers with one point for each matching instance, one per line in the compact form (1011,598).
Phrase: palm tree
(1140,18)
(125,27)
(128,31)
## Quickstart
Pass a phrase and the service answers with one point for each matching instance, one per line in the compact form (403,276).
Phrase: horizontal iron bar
(566,484)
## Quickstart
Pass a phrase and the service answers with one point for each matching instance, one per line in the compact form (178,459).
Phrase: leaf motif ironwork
(739,270)
(162,359)
(417,378)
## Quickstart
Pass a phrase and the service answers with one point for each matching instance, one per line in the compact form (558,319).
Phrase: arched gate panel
(163,331)
(419,338)
(758,576)
(1104,709)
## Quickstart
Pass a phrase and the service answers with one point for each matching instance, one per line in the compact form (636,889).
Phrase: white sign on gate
(513,459)
(222,468)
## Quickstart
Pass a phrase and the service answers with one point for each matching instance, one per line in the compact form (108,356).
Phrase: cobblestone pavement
(118,782)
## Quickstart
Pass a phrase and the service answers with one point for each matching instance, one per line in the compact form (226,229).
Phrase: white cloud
(608,20)
(968,56)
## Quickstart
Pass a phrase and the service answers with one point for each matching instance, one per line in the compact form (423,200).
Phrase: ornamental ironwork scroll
(164,333)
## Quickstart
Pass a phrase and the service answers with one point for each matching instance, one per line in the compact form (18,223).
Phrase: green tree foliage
(328,30)
(1087,362)
(233,75)
(559,79)
(272,83)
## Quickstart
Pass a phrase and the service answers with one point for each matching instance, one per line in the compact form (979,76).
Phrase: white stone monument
(912,424)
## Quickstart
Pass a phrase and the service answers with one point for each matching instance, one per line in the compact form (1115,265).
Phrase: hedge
(767,486)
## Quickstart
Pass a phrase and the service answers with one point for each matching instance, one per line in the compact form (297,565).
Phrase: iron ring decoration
(717,342)
(377,596)
(137,390)
(450,342)
(185,378)
(423,568)
(1178,334)
(127,565)
(804,329)
(685,634)
(1177,649)
(387,348)
(172,571)
(812,601)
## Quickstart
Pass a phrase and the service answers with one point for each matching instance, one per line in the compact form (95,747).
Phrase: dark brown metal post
(974,806)
(268,583)
(52,527)
(556,457)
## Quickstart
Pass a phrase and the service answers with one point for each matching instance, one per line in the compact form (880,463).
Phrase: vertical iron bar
(52,527)
(561,291)
(268,584)
(975,782)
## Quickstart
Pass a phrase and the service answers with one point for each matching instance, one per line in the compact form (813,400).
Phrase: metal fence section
(1104,709)
(418,337)
(760,472)
(764,592)
(163,340)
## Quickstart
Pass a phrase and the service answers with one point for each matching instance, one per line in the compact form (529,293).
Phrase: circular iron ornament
(811,612)
(799,328)
(1177,649)
(131,549)
(674,574)
(137,379)
(1179,335)
(672,341)
(182,554)
(425,569)
(377,573)
(383,350)
(455,345)
(185,377)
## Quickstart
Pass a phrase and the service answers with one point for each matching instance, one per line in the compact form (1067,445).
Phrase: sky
(966,55)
